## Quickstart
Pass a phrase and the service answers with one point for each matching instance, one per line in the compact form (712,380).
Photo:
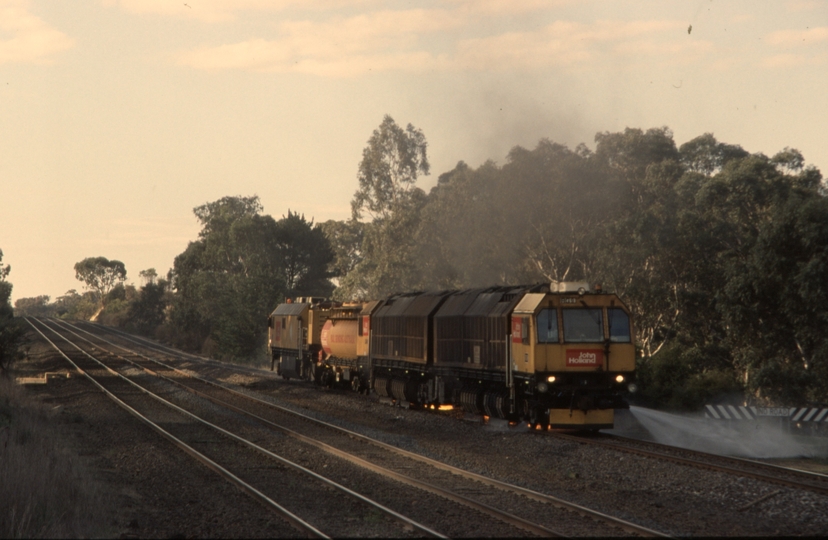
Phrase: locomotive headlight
(542,387)
(550,379)
(633,388)
(619,378)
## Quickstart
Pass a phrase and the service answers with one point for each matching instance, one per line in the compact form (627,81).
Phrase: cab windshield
(619,325)
(548,326)
(583,325)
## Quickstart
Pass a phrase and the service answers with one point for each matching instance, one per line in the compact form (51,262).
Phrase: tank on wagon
(558,355)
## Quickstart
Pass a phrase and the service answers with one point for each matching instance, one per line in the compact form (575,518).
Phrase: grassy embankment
(45,491)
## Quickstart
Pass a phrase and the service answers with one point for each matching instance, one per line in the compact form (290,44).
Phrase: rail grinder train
(556,355)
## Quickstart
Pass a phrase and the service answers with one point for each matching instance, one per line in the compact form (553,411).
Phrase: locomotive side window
(619,325)
(548,326)
(583,325)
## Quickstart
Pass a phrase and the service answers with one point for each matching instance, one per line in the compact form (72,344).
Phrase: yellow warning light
(445,408)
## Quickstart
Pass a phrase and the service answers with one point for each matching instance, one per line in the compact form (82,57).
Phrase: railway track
(244,463)
(766,472)
(540,511)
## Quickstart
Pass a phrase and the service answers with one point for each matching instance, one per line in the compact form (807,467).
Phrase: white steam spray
(752,439)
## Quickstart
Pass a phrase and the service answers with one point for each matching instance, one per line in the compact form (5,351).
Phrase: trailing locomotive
(555,355)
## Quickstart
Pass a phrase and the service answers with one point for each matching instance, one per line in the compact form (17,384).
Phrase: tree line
(722,255)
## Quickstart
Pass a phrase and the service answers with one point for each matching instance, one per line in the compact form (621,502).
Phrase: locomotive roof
(287,310)
(530,303)
(412,305)
(458,303)
(369,307)
(492,301)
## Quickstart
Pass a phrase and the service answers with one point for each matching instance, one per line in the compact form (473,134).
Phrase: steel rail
(531,494)
(291,518)
(149,343)
(425,486)
(809,475)
(397,516)
(822,490)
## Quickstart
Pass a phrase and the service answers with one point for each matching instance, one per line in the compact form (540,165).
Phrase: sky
(118,117)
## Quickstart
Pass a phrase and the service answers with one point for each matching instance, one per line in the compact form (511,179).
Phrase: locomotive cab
(294,335)
(574,352)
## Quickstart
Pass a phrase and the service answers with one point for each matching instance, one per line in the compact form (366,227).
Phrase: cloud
(793,60)
(794,38)
(507,7)
(223,10)
(805,5)
(797,45)
(423,40)
(379,41)
(566,43)
(214,11)
(25,38)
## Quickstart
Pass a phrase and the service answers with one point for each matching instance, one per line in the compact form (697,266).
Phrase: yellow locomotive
(557,355)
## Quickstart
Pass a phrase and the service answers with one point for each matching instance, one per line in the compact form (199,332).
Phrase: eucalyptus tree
(100,275)
(390,165)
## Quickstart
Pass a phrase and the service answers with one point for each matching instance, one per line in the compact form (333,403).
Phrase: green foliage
(118,303)
(37,306)
(775,303)
(685,378)
(345,239)
(706,155)
(388,260)
(73,305)
(390,165)
(12,334)
(241,266)
(147,311)
(306,254)
(385,261)
(149,275)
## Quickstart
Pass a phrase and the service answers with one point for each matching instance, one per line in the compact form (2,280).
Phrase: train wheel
(355,384)
(544,420)
(538,418)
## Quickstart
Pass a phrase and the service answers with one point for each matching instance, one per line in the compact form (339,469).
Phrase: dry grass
(45,492)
